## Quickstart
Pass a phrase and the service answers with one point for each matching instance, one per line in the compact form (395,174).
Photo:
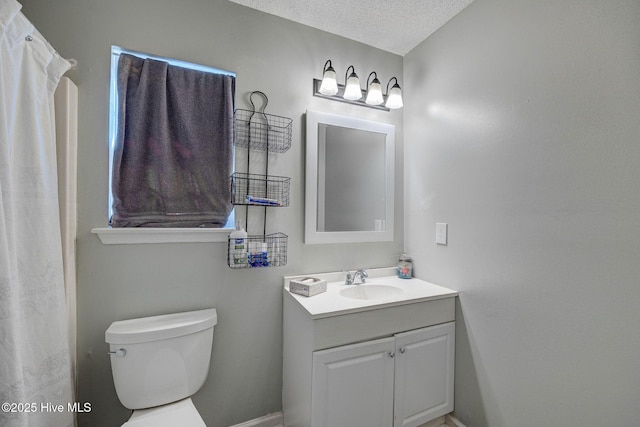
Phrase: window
(179,187)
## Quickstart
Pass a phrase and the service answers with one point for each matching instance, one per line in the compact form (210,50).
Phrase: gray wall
(522,133)
(125,281)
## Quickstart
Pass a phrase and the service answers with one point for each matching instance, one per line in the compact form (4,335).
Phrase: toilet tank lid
(161,327)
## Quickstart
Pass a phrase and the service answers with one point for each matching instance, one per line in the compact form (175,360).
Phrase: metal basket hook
(253,105)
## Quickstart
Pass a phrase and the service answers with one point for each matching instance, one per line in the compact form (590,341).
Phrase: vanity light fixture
(374,90)
(394,97)
(352,93)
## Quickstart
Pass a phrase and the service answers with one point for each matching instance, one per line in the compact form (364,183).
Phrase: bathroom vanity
(375,354)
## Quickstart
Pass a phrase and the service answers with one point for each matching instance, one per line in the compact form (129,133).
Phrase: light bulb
(352,90)
(394,96)
(329,85)
(374,91)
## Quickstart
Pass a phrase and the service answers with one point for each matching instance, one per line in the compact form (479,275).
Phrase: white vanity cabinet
(402,381)
(384,364)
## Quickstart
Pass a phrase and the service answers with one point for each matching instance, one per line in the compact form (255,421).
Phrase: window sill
(134,236)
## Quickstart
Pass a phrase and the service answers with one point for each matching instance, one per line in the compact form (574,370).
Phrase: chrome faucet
(351,279)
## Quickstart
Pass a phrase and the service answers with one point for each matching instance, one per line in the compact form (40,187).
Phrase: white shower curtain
(34,351)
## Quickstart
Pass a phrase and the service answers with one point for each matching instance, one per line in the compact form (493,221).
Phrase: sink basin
(368,292)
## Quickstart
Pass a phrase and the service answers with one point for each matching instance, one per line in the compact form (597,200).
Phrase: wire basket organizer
(256,130)
(261,131)
(259,251)
(259,190)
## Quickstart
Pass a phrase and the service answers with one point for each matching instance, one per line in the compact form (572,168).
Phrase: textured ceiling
(393,25)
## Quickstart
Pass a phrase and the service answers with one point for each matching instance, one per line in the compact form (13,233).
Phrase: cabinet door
(352,386)
(424,374)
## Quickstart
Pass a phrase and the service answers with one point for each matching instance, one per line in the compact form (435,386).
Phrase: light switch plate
(441,233)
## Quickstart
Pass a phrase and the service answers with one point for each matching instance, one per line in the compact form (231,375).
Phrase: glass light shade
(374,94)
(352,90)
(329,85)
(394,98)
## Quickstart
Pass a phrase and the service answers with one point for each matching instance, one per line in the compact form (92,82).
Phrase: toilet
(158,363)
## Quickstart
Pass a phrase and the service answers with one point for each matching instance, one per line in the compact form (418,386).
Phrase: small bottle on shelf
(238,248)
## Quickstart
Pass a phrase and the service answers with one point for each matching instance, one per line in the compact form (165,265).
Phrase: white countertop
(332,303)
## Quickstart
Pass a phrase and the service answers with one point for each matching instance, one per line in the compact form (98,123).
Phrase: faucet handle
(363,275)
(348,280)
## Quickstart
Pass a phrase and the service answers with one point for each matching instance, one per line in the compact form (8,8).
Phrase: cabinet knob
(392,354)
(402,350)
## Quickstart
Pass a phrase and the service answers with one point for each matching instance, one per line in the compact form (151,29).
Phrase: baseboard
(276,420)
(271,420)
(452,421)
(438,422)
(448,420)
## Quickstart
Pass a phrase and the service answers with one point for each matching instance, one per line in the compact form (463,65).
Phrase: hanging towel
(172,161)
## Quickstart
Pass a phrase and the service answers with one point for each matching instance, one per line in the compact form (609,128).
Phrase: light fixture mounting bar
(338,96)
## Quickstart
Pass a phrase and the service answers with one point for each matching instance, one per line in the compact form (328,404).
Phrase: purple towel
(173,157)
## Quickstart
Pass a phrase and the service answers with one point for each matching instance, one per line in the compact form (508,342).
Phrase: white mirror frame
(312,235)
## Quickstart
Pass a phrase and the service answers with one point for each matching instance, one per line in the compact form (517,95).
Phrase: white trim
(132,236)
(311,233)
(271,420)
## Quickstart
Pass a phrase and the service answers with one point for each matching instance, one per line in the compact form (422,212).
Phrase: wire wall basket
(261,131)
(259,190)
(259,251)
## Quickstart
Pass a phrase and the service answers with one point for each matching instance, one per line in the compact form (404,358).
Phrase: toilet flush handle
(121,352)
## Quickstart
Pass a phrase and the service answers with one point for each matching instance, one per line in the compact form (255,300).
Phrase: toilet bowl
(158,363)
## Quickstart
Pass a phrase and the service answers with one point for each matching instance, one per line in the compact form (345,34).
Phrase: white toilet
(158,363)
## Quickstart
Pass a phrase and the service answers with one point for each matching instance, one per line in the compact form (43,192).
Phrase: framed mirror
(349,183)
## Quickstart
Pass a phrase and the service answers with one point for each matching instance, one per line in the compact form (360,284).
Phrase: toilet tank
(160,359)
